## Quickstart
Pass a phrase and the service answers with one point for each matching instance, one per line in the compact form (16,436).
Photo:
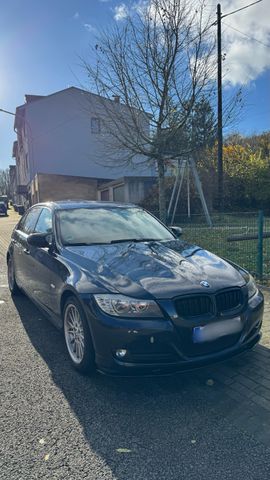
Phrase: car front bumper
(163,346)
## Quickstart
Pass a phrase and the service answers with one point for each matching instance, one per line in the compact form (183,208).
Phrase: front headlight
(122,306)
(250,282)
(251,286)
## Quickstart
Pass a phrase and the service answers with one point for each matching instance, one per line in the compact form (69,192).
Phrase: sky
(41,43)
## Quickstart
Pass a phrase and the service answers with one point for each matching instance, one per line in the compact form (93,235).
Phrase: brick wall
(64,187)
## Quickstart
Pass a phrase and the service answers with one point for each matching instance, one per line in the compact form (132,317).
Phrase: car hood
(156,269)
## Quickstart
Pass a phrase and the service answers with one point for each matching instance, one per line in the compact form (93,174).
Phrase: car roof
(71,204)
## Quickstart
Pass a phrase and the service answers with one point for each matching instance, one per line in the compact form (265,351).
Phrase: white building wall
(60,141)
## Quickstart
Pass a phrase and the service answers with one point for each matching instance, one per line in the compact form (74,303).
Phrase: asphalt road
(58,424)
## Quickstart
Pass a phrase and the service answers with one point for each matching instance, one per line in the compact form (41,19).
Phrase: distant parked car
(3,209)
(20,209)
(129,296)
(4,198)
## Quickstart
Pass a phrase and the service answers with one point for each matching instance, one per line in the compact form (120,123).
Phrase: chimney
(116,98)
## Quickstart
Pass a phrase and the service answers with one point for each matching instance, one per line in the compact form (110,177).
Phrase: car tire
(13,286)
(77,336)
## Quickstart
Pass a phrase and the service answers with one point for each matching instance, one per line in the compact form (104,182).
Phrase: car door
(21,248)
(40,261)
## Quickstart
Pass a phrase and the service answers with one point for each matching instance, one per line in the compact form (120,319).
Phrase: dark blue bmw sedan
(128,294)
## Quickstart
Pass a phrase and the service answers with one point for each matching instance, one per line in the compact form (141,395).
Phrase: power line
(248,36)
(6,111)
(242,8)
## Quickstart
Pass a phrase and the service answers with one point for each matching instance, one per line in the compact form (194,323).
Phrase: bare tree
(4,182)
(159,63)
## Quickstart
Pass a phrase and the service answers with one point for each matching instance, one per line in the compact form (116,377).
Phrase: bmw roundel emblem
(205,284)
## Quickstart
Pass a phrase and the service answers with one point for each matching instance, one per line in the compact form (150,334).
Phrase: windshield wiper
(84,244)
(122,240)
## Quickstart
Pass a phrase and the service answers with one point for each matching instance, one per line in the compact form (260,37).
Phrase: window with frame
(44,223)
(95,125)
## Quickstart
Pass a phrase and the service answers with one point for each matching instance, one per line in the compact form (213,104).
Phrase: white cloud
(121,12)
(76,15)
(90,28)
(246,58)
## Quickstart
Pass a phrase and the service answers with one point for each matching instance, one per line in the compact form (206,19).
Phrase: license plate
(213,331)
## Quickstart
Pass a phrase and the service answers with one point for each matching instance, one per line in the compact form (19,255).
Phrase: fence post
(260,245)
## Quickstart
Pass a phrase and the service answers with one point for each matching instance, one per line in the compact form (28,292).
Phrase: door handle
(25,250)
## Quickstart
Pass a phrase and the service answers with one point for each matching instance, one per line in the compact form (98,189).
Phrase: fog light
(121,353)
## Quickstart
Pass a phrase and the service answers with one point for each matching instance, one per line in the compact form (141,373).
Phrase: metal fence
(243,238)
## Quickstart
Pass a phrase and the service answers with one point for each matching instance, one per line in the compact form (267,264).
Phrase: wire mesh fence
(266,248)
(234,236)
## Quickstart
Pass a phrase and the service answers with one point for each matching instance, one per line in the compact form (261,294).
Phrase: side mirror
(176,230)
(38,240)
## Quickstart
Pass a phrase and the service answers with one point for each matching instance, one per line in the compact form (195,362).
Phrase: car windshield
(86,226)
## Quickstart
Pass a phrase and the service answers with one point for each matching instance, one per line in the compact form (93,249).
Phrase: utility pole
(219,125)
(219,88)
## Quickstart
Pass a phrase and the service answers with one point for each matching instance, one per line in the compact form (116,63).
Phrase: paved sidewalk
(6,226)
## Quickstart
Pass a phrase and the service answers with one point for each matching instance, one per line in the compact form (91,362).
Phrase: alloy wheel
(74,333)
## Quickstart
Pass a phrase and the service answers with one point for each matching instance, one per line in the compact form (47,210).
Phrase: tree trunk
(161,185)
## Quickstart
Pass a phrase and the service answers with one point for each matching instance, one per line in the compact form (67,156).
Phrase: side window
(20,224)
(28,225)
(44,223)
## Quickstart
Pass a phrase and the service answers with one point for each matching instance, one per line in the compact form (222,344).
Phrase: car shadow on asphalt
(155,427)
